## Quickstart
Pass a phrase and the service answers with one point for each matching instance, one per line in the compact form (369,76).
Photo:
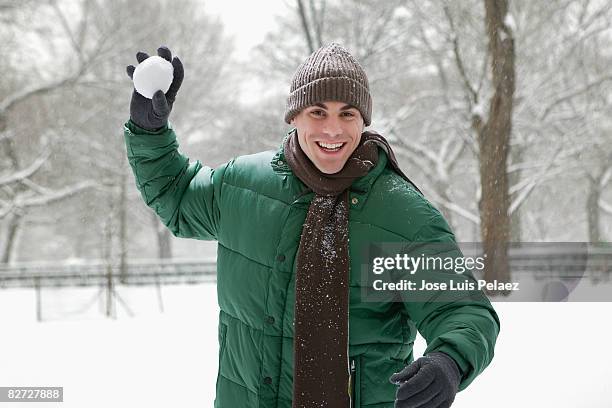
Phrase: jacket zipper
(352,383)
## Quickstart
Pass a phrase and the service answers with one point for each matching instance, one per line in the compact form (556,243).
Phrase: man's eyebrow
(345,107)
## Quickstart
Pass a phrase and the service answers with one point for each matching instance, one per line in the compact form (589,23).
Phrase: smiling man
(291,224)
(329,133)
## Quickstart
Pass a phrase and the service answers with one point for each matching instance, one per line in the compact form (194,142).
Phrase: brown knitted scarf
(321,371)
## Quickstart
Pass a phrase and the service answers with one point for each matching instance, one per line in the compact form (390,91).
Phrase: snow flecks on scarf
(321,310)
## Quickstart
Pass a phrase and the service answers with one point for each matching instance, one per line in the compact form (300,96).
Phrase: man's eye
(348,114)
(317,112)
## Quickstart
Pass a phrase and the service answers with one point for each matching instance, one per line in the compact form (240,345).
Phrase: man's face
(328,133)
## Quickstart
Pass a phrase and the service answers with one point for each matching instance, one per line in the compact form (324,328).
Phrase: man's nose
(332,127)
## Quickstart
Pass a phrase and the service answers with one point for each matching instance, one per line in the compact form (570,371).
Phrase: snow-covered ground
(548,354)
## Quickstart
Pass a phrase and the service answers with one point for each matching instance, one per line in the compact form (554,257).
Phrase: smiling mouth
(330,147)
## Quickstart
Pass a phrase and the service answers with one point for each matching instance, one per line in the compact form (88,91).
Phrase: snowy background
(67,193)
(548,354)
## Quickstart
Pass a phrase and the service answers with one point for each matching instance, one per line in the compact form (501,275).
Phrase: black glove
(429,382)
(152,114)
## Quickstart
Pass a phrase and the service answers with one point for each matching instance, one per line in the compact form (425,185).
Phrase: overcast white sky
(248,21)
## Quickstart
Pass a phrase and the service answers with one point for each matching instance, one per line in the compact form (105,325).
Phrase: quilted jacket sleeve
(185,195)
(464,324)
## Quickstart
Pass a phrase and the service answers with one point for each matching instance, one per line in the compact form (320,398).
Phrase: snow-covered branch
(83,62)
(570,94)
(606,177)
(25,200)
(31,91)
(459,60)
(417,159)
(453,207)
(605,206)
(525,187)
(28,171)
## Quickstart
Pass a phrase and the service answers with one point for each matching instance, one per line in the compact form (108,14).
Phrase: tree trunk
(12,232)
(107,250)
(15,218)
(592,209)
(312,26)
(164,248)
(123,242)
(164,243)
(596,185)
(515,218)
(305,25)
(494,145)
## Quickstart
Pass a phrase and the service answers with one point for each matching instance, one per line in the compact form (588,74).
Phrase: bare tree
(21,191)
(494,143)
(542,30)
(312,22)
(78,128)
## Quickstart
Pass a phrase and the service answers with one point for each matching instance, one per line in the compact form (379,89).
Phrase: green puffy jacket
(254,207)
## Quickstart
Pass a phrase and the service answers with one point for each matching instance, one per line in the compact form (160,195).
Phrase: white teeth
(330,145)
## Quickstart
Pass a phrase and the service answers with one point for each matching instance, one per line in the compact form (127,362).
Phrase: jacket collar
(278,163)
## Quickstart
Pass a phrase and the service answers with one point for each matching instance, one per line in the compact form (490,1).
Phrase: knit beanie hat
(330,74)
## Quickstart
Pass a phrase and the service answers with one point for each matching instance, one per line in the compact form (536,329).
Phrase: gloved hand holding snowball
(156,81)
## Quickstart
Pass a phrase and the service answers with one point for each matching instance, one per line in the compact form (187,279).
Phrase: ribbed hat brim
(343,89)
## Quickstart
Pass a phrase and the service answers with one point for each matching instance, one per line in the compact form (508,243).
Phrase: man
(293,330)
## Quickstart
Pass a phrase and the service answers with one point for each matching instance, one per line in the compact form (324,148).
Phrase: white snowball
(153,74)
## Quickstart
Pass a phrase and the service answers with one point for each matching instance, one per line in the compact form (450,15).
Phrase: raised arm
(184,194)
